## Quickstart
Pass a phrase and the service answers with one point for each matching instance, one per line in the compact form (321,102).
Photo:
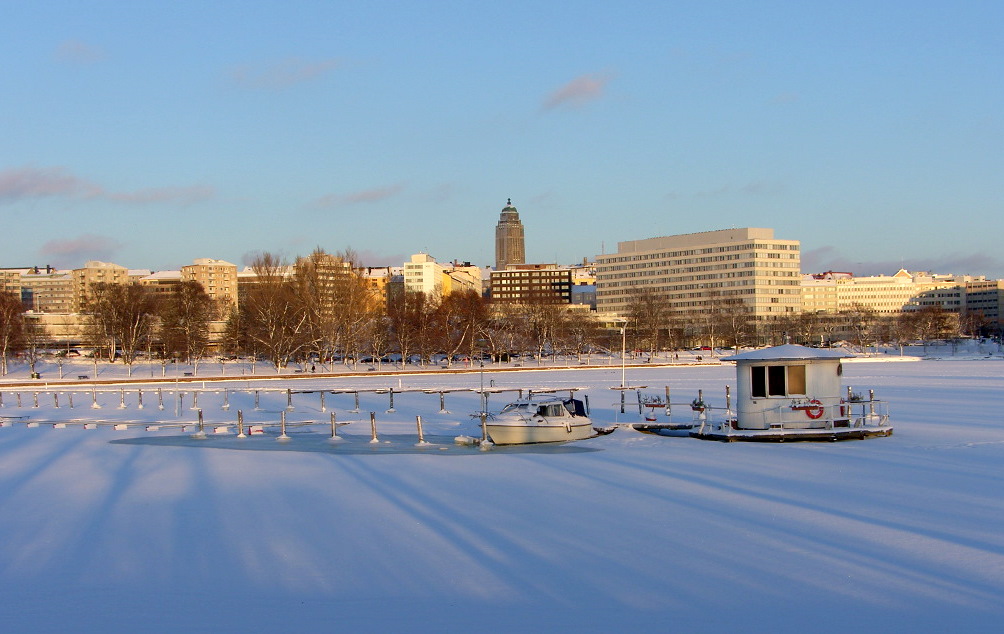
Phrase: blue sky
(152,133)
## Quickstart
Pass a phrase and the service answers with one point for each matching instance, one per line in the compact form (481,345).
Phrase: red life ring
(816,411)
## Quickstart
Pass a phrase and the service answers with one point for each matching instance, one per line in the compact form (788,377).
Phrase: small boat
(540,420)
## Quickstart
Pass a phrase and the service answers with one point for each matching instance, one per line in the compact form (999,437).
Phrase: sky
(152,133)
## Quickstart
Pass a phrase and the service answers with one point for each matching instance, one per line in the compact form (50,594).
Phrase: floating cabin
(792,392)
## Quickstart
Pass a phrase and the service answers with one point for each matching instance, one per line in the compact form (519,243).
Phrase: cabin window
(777,380)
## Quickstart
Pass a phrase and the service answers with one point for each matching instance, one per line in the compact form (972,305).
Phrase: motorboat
(537,420)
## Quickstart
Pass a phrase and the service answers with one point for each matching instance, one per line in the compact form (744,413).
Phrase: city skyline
(148,136)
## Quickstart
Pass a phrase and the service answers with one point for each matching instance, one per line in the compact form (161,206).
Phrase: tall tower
(509,247)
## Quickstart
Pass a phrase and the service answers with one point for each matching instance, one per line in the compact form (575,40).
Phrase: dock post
(355,409)
(19,399)
(442,403)
(486,444)
(55,399)
(289,400)
(34,396)
(1,399)
(391,410)
(71,400)
(323,408)
(282,427)
(94,399)
(201,434)
(871,402)
(240,425)
(728,398)
(640,406)
(195,399)
(421,434)
(160,398)
(226,399)
(585,400)
(121,398)
(256,400)
(139,399)
(669,406)
(622,401)
(373,431)
(334,430)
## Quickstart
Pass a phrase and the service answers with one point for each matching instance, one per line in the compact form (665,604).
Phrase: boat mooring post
(323,408)
(421,434)
(442,403)
(201,433)
(669,407)
(34,396)
(71,400)
(622,401)
(728,398)
(282,427)
(195,399)
(289,400)
(19,399)
(240,424)
(139,399)
(334,430)
(121,398)
(640,406)
(256,400)
(226,399)
(373,431)
(1,399)
(485,443)
(355,410)
(391,409)
(871,402)
(160,398)
(55,399)
(94,399)
(585,400)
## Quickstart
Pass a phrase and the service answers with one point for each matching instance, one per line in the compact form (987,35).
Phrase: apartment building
(217,277)
(522,283)
(833,292)
(697,270)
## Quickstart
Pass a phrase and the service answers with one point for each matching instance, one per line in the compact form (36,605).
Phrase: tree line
(321,310)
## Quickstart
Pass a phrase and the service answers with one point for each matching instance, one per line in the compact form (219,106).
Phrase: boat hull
(522,434)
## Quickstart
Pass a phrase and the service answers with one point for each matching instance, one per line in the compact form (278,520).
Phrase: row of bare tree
(322,310)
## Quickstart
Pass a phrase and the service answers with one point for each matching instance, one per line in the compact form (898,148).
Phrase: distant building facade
(527,283)
(218,279)
(510,245)
(697,270)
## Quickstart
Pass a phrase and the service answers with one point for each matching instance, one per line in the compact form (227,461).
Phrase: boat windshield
(513,408)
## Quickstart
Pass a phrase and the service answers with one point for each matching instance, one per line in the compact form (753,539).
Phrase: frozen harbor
(155,531)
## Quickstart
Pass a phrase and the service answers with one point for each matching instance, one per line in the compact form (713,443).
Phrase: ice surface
(107,530)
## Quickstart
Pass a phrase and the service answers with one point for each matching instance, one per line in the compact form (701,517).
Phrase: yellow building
(217,277)
(694,271)
(833,292)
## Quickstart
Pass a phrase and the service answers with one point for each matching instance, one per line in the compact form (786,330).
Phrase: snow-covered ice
(106,530)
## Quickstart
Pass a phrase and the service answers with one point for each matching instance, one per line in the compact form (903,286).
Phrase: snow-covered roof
(789,351)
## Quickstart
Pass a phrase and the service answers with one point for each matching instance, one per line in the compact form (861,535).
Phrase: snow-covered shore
(154,531)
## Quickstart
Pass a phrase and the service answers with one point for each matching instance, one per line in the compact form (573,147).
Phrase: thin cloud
(282,74)
(69,252)
(355,198)
(77,52)
(26,183)
(578,92)
(828,258)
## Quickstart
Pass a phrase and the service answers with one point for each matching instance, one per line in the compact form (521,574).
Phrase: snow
(156,531)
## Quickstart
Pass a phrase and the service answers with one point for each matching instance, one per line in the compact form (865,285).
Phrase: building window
(778,380)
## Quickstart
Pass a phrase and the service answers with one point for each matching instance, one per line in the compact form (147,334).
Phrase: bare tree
(11,327)
(651,315)
(461,316)
(121,317)
(184,320)
(273,318)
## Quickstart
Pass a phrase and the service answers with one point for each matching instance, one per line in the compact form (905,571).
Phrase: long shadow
(352,444)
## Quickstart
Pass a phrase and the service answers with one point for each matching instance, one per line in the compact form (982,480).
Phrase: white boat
(540,420)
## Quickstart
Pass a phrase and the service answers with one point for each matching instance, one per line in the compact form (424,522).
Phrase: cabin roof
(790,351)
